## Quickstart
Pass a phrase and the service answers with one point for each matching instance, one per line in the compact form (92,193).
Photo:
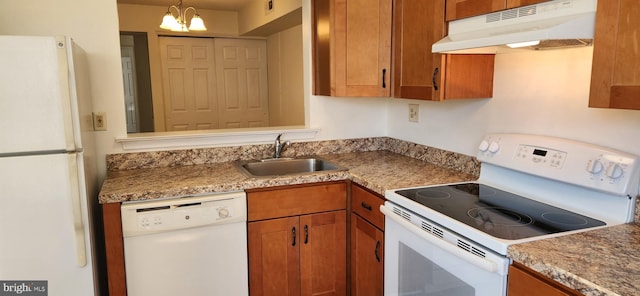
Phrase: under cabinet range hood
(547,25)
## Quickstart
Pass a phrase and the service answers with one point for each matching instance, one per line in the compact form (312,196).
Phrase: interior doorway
(136,76)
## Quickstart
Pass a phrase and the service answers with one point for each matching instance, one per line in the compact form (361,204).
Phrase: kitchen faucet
(279,147)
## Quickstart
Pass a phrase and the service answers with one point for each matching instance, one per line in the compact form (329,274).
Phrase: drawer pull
(366,206)
(293,235)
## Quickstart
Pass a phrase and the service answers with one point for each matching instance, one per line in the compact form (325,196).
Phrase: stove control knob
(494,147)
(223,212)
(595,166)
(614,171)
(484,145)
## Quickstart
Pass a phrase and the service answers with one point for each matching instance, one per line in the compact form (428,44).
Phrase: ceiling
(205,4)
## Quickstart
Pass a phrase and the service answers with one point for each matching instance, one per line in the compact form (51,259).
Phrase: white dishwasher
(186,246)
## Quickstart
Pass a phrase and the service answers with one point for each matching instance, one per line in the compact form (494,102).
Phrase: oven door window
(418,275)
(416,267)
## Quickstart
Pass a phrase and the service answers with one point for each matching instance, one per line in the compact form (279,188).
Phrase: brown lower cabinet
(524,281)
(367,260)
(367,243)
(297,238)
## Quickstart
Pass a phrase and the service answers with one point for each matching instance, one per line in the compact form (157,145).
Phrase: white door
(129,93)
(188,80)
(43,223)
(242,82)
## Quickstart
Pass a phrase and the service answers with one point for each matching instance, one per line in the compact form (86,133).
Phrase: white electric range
(452,239)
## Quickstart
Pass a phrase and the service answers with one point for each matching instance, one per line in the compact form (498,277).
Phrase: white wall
(543,92)
(255,14)
(336,117)
(93,24)
(286,86)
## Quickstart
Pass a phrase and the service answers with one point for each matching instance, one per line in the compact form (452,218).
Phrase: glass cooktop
(498,213)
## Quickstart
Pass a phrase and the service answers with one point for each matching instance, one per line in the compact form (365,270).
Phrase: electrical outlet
(414,112)
(268,6)
(99,121)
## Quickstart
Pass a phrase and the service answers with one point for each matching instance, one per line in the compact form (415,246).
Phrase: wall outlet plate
(414,112)
(99,121)
(268,6)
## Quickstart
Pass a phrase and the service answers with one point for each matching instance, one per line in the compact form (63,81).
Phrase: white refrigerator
(48,186)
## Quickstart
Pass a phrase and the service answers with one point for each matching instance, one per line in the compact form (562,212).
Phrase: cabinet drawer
(295,200)
(367,205)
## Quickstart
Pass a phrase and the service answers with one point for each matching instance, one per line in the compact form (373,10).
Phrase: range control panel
(569,161)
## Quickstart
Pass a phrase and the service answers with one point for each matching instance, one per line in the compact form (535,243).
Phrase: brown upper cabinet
(420,74)
(458,9)
(615,76)
(352,48)
(352,52)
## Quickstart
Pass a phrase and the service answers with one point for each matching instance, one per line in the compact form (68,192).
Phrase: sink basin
(284,166)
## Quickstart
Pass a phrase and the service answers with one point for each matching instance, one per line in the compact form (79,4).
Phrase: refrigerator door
(36,111)
(43,223)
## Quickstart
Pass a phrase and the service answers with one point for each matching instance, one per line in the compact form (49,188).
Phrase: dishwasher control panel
(148,217)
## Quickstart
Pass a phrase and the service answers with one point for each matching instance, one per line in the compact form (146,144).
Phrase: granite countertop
(375,170)
(604,261)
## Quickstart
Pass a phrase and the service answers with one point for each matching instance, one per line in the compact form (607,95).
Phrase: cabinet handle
(306,234)
(366,206)
(433,79)
(384,75)
(377,251)
(293,235)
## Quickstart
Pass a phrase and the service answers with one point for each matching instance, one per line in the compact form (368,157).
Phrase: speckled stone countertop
(605,261)
(599,262)
(376,163)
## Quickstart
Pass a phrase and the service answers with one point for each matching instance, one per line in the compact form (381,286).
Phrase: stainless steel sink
(284,166)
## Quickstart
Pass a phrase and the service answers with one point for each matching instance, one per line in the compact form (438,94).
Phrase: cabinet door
(465,76)
(363,47)
(524,281)
(420,74)
(615,76)
(352,48)
(367,262)
(274,257)
(413,62)
(458,9)
(323,249)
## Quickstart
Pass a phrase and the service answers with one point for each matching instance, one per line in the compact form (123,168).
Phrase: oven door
(423,260)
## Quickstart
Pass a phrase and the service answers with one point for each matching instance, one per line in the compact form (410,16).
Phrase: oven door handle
(453,250)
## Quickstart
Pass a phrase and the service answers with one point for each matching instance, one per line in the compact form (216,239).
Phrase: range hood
(556,24)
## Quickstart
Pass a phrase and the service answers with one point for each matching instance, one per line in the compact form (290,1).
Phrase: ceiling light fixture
(179,23)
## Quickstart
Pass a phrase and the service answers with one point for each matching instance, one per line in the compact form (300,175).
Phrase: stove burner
(499,213)
(499,216)
(432,193)
(564,219)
